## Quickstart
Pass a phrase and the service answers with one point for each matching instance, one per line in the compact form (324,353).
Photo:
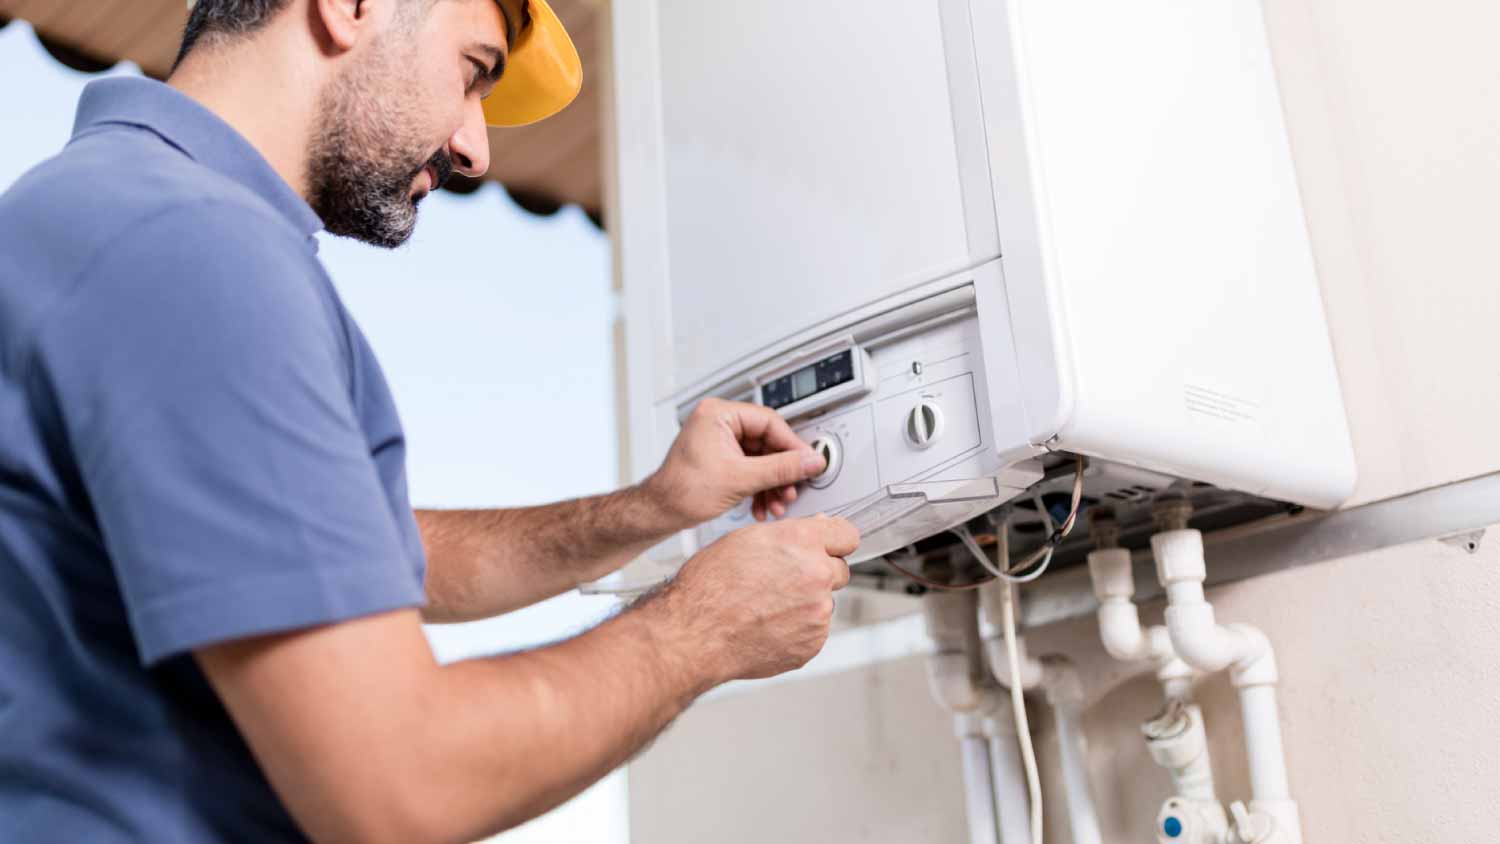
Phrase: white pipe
(951,674)
(1120,628)
(1268,780)
(1207,645)
(1083,819)
(1012,803)
(991,624)
(1057,677)
(1196,635)
(1178,742)
(979,789)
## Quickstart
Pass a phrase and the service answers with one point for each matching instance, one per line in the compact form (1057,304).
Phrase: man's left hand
(726,452)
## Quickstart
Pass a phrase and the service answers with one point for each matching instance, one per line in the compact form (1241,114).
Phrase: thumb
(783,468)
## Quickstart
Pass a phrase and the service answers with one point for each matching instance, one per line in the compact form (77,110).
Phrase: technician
(211,581)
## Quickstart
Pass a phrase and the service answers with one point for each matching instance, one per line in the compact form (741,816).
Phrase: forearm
(485,562)
(539,727)
(366,738)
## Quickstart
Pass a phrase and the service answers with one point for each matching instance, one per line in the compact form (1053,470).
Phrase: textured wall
(1390,710)
(861,756)
(1394,120)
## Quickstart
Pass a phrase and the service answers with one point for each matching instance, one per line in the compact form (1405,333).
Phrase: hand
(726,452)
(759,601)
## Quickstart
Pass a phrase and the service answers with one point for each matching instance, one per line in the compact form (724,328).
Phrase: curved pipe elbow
(1032,672)
(1062,684)
(951,685)
(1208,646)
(1123,636)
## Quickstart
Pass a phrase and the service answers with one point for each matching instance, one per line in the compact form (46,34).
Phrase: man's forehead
(481,23)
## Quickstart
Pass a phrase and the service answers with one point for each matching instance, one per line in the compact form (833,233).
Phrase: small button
(1172,826)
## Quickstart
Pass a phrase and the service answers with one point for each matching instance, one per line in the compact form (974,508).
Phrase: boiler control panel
(899,418)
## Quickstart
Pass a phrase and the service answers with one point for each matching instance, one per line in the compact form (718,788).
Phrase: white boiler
(952,240)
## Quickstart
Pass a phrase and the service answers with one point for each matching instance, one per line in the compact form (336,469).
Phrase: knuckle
(788,530)
(813,575)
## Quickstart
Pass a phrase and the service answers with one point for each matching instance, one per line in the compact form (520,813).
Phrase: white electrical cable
(1018,704)
(969,542)
(1041,557)
(1041,508)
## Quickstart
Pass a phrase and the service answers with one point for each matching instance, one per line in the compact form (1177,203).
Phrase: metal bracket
(1457,512)
(1468,541)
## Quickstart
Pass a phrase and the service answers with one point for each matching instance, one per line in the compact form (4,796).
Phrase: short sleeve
(203,388)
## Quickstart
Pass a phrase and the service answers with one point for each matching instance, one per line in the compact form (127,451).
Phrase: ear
(342,20)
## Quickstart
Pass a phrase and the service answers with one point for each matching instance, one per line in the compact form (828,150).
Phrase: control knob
(826,447)
(924,424)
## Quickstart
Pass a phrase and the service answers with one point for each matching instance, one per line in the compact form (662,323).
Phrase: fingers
(782,469)
(840,536)
(837,537)
(755,422)
(765,505)
(775,506)
(840,573)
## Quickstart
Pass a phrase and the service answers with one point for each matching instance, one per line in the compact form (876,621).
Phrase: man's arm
(367,739)
(485,562)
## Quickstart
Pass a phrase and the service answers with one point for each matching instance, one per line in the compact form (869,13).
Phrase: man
(211,583)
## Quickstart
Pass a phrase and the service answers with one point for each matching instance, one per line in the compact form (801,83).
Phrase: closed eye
(480,74)
(483,73)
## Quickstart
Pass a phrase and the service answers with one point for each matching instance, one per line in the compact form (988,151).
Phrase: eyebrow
(496,55)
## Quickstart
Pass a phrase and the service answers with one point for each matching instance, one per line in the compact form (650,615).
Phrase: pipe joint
(1258,665)
(1120,631)
(1179,556)
(1032,672)
(949,617)
(1109,572)
(952,685)
(1177,741)
(1198,638)
(970,724)
(1061,683)
(1268,822)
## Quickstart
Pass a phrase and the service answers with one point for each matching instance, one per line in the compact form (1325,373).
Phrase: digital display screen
(809,380)
(804,383)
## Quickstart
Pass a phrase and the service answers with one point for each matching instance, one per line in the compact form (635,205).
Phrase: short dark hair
(217,18)
(214,18)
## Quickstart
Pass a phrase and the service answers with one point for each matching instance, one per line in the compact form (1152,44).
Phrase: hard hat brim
(542,75)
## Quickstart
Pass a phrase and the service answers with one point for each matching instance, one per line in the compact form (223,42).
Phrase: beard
(367,149)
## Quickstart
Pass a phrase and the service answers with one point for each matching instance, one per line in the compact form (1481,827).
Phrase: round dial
(924,424)
(826,447)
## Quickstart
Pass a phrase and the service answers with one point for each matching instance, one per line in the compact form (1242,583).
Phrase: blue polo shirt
(196,445)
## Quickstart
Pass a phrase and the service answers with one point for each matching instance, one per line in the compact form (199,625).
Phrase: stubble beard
(367,151)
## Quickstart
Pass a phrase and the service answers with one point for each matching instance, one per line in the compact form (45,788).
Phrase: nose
(470,145)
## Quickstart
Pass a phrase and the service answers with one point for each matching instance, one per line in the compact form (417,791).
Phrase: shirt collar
(199,133)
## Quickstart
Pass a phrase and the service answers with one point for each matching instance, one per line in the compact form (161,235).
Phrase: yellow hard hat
(542,74)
